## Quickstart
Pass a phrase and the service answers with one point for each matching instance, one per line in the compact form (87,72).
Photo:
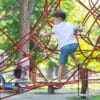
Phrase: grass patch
(97,97)
(75,98)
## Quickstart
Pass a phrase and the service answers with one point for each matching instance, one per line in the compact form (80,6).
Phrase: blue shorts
(65,51)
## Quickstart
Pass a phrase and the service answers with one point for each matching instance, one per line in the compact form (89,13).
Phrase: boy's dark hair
(59,13)
(17,72)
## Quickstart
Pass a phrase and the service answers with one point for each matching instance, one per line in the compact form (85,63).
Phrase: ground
(61,94)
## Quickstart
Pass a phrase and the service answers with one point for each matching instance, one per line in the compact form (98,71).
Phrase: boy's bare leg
(75,59)
(60,72)
(78,64)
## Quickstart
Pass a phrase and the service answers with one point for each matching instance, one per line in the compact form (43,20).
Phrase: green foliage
(9,21)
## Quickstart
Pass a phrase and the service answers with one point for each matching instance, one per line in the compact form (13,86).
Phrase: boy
(66,40)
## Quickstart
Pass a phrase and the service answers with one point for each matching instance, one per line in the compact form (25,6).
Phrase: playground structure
(76,73)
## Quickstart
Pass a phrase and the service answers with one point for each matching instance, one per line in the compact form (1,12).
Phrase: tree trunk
(84,80)
(26,8)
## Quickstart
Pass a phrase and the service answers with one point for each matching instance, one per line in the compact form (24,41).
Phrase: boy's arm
(45,34)
(80,28)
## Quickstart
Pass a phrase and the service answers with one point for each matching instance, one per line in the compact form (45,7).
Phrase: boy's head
(59,15)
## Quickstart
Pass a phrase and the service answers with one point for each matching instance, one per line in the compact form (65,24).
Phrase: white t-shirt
(65,33)
(24,62)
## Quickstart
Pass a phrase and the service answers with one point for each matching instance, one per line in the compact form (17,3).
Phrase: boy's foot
(79,65)
(56,86)
(83,95)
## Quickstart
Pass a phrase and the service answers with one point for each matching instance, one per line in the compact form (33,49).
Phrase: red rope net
(41,47)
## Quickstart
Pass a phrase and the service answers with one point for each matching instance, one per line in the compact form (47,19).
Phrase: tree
(26,8)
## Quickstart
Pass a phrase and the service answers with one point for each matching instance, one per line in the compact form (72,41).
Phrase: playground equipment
(76,73)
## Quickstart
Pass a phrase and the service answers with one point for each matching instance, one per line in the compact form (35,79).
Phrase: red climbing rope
(33,68)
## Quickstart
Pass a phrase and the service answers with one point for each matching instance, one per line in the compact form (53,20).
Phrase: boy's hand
(80,27)
(42,34)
